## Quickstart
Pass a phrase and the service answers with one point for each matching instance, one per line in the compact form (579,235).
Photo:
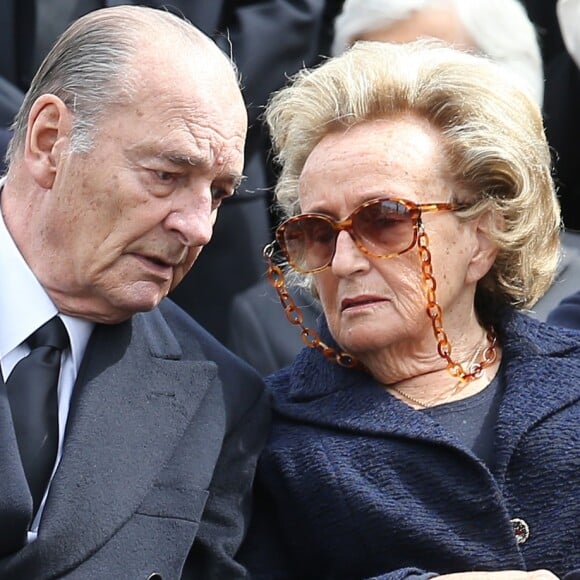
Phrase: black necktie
(32,391)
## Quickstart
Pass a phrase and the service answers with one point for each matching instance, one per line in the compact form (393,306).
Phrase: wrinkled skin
(111,231)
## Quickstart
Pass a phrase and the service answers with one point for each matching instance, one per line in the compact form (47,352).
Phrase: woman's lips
(360,302)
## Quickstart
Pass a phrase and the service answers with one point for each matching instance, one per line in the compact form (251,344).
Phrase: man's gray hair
(89,67)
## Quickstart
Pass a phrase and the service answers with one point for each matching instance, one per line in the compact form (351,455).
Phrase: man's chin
(128,305)
(113,306)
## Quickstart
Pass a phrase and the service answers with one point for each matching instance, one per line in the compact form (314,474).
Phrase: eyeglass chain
(312,339)
(453,391)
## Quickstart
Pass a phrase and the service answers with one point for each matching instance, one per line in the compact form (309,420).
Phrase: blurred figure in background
(499,29)
(567,313)
(259,330)
(16,36)
(5,136)
(556,22)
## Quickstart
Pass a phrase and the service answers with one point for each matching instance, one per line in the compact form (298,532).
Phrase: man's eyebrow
(182,160)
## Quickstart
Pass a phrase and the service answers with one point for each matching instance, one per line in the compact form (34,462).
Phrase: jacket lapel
(133,400)
(15,499)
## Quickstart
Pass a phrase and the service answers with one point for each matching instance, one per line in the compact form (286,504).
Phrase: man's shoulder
(180,322)
(198,342)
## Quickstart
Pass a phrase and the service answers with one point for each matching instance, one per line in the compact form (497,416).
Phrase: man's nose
(193,219)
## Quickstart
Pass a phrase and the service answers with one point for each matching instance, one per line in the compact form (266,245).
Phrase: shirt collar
(25,305)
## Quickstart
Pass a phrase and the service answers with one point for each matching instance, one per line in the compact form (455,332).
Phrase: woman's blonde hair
(492,133)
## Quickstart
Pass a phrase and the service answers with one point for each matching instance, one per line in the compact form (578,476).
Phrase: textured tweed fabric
(356,484)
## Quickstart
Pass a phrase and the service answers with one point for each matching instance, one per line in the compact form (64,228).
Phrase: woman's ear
(47,138)
(484,251)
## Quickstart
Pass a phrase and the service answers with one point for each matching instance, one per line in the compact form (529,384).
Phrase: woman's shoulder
(279,381)
(525,334)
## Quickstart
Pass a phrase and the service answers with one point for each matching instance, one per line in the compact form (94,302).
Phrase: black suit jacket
(161,444)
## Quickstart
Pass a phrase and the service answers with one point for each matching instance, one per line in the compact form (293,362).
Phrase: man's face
(123,223)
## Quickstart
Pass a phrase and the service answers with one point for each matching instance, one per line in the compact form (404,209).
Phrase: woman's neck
(420,376)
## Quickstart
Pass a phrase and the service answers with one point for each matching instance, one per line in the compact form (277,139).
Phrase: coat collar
(541,365)
(134,397)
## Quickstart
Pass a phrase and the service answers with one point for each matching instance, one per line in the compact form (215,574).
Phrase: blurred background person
(557,23)
(560,31)
(499,29)
(432,428)
(259,328)
(567,313)
(16,37)
(5,137)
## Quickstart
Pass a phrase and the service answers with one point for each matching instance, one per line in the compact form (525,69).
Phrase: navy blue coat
(355,483)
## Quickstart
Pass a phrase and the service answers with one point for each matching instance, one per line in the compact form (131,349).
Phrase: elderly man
(135,457)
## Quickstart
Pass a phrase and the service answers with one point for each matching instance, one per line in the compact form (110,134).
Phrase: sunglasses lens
(308,242)
(384,228)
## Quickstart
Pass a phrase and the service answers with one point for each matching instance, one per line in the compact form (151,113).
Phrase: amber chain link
(294,315)
(434,311)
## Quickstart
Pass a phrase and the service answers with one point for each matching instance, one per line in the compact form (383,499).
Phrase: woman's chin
(362,344)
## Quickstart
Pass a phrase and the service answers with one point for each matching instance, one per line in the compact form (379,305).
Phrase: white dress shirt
(25,307)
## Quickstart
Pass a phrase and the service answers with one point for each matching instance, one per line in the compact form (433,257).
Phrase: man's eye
(164,176)
(219,193)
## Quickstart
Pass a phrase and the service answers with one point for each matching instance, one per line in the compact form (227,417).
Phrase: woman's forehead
(404,157)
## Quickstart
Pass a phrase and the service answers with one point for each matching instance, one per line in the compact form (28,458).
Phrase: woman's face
(374,304)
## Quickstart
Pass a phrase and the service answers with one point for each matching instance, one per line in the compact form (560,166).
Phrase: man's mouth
(160,266)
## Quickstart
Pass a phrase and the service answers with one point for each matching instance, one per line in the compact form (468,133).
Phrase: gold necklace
(454,390)
(427,404)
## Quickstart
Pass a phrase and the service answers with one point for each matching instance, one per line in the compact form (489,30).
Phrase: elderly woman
(432,428)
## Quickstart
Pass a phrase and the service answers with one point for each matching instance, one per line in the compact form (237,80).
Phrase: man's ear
(485,251)
(47,137)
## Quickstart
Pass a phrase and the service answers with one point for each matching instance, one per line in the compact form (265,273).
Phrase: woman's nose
(348,257)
